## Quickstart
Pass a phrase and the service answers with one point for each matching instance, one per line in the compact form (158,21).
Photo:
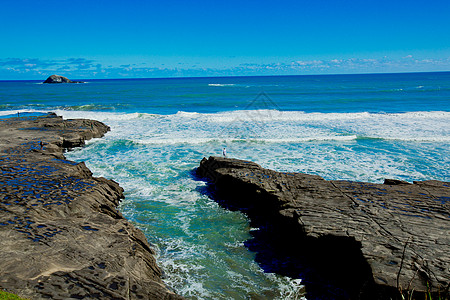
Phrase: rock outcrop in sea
(368,240)
(61,234)
(59,79)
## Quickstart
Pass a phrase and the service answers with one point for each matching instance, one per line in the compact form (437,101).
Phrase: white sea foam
(201,246)
(221,84)
(268,126)
(15,111)
(193,141)
(104,116)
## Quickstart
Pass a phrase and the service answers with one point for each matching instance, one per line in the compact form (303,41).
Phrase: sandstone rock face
(373,239)
(59,79)
(61,235)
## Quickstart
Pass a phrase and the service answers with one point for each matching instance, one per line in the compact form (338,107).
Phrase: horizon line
(233,76)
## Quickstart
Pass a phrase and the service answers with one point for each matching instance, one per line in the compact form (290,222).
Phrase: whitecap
(221,84)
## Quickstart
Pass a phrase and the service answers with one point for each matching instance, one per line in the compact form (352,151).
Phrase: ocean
(350,127)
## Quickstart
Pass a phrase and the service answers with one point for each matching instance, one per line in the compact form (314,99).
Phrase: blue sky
(115,39)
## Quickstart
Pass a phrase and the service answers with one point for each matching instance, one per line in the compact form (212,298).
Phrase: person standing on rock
(224,152)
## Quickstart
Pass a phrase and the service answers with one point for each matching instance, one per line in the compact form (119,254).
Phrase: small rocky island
(61,234)
(369,240)
(60,79)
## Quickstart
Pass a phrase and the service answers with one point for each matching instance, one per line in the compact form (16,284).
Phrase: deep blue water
(353,127)
(388,93)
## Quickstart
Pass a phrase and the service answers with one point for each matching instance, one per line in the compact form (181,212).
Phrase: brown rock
(61,234)
(373,239)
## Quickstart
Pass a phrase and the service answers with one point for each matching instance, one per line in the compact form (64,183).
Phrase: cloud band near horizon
(82,68)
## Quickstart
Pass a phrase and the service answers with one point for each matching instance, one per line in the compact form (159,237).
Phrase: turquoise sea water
(355,127)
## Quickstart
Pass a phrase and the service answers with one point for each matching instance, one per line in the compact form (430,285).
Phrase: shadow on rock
(330,267)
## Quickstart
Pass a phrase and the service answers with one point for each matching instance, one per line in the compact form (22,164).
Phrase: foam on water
(286,126)
(355,146)
(354,127)
(14,112)
(200,245)
(221,84)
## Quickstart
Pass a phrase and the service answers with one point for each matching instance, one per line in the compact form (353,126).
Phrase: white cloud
(85,68)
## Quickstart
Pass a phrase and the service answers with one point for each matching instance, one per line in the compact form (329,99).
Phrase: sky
(145,39)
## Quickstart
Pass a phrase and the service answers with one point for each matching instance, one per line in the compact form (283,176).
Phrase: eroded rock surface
(380,237)
(61,235)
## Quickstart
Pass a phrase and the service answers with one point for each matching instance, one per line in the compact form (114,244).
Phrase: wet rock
(59,79)
(61,234)
(395,182)
(370,239)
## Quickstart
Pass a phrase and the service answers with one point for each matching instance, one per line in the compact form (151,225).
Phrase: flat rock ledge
(61,235)
(372,239)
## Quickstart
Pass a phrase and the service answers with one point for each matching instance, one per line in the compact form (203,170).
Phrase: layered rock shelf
(61,234)
(370,240)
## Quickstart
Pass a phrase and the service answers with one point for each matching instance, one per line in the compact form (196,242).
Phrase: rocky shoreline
(359,240)
(61,234)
